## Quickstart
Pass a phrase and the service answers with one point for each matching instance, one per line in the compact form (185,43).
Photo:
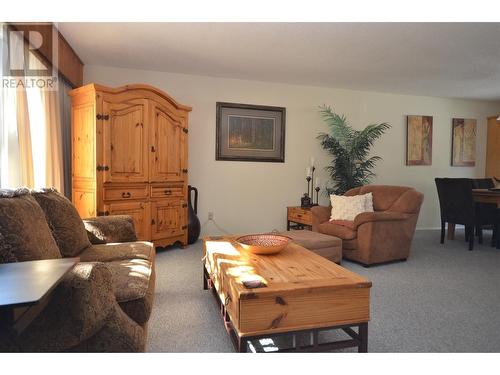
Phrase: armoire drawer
(166,191)
(115,193)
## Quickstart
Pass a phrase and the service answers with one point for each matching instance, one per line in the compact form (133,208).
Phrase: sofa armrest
(78,309)
(107,229)
(367,217)
(320,214)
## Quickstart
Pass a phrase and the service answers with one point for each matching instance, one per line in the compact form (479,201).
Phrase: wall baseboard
(458,226)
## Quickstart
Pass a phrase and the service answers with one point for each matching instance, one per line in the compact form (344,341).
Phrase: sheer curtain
(53,141)
(24,162)
(31,150)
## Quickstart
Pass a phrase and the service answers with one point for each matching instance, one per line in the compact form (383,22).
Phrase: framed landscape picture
(418,140)
(246,132)
(463,142)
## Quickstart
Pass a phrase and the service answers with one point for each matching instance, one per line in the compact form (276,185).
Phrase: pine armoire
(129,152)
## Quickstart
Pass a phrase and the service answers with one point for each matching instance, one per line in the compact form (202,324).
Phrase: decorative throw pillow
(65,222)
(368,202)
(24,232)
(497,182)
(347,208)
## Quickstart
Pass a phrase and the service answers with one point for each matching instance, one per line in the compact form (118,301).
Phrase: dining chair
(457,205)
(486,213)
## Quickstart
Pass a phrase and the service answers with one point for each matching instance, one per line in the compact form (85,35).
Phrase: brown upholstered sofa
(380,236)
(104,303)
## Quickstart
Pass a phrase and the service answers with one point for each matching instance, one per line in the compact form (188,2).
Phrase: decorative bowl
(263,244)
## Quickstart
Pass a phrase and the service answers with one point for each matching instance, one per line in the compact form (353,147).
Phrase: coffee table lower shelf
(357,339)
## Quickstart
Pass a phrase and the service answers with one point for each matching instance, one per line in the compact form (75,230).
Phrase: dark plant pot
(193,223)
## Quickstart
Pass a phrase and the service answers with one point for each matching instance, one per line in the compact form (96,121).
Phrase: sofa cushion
(130,278)
(118,251)
(140,309)
(133,285)
(65,222)
(337,231)
(345,223)
(25,234)
(109,229)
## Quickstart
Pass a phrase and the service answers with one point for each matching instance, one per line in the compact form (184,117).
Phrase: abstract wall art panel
(463,148)
(418,140)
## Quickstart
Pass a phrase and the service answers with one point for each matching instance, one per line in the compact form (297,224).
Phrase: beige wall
(252,197)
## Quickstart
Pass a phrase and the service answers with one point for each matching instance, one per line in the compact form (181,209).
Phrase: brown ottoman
(327,246)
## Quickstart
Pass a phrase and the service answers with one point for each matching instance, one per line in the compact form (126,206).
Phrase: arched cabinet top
(135,86)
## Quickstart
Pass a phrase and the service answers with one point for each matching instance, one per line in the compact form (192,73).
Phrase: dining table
(490,196)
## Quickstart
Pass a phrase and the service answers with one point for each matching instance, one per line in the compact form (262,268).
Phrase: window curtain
(31,149)
(53,141)
(24,161)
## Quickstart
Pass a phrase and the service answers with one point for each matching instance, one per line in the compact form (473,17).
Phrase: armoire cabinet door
(139,212)
(168,139)
(125,141)
(167,219)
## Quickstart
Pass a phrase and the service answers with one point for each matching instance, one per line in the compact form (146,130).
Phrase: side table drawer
(300,215)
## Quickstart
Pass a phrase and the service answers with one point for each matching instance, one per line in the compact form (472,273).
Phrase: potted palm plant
(352,166)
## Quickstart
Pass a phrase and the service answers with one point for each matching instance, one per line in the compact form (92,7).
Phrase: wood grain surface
(302,290)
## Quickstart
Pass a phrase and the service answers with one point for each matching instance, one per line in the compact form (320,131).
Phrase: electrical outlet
(210,215)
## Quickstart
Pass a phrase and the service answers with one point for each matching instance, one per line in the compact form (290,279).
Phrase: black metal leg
(205,278)
(242,345)
(497,234)
(363,338)
(471,238)
(442,231)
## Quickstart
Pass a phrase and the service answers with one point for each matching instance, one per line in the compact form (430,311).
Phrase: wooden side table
(26,288)
(300,217)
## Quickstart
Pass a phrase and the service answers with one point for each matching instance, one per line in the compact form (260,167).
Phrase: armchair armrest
(366,217)
(106,229)
(77,310)
(320,214)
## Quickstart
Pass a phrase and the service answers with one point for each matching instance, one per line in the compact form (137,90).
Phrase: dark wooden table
(25,290)
(490,196)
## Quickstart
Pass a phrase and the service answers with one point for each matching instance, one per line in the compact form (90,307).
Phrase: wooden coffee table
(303,295)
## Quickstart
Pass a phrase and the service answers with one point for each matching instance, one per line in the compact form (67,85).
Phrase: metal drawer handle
(126,194)
(168,192)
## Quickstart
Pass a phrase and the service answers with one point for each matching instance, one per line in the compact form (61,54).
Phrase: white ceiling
(441,59)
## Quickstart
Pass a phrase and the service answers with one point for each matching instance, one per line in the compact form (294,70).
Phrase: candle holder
(312,179)
(317,189)
(309,179)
